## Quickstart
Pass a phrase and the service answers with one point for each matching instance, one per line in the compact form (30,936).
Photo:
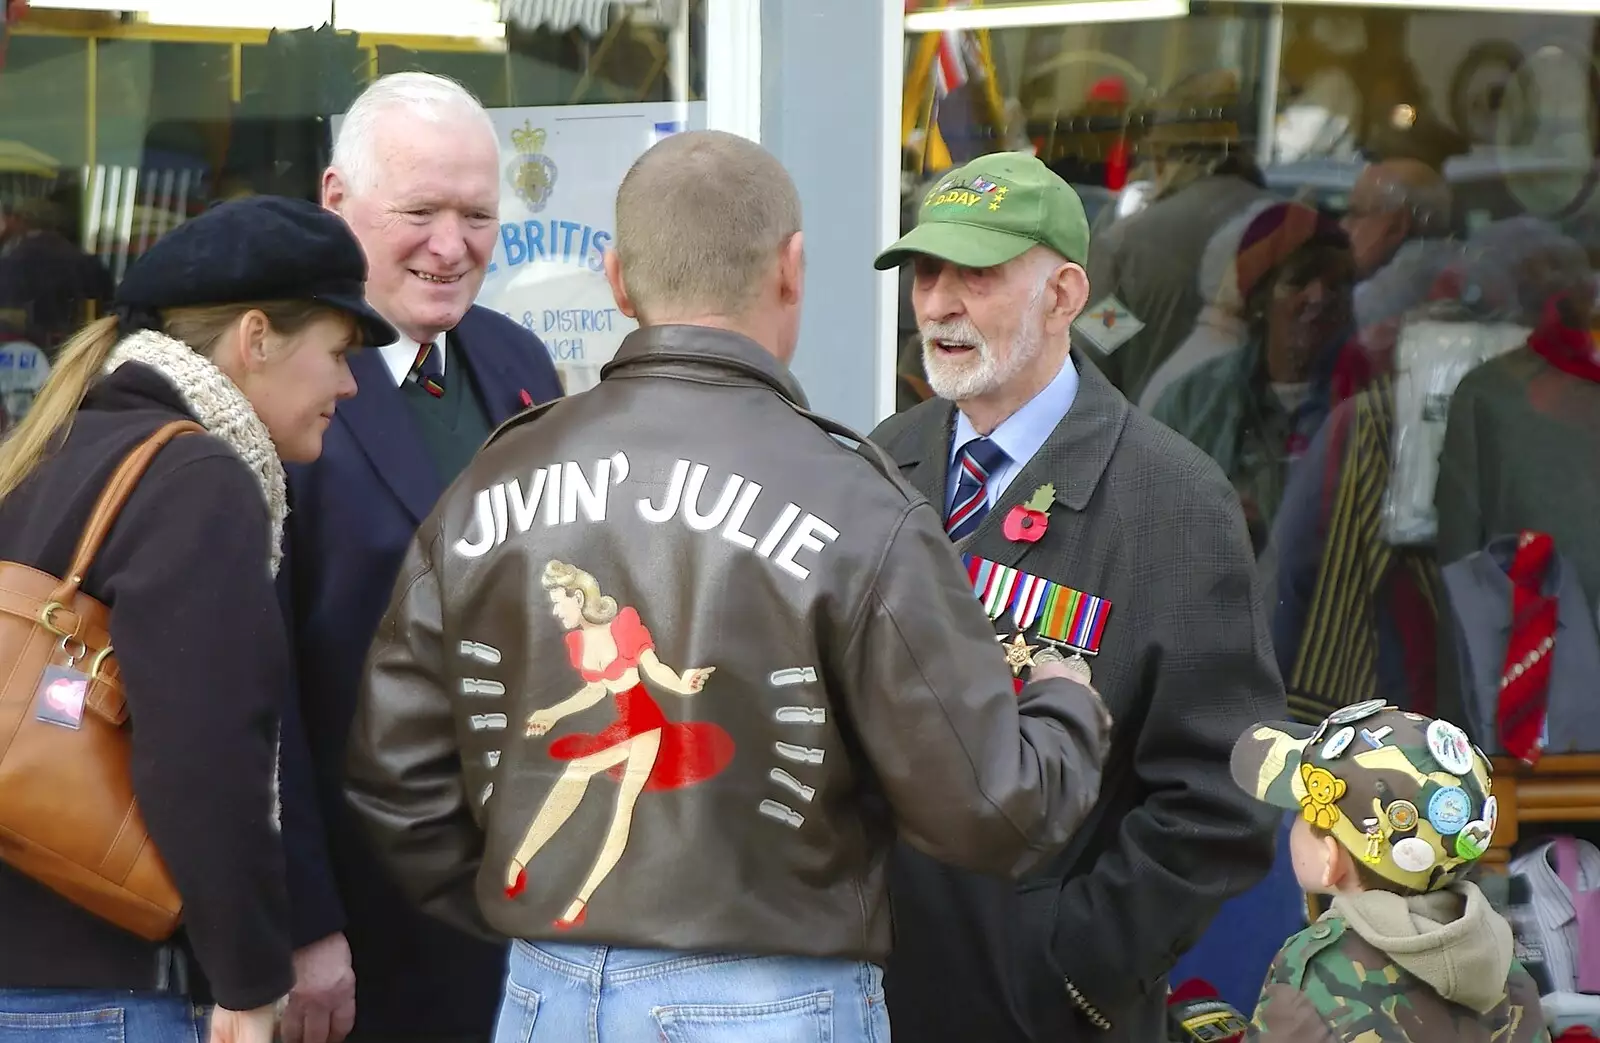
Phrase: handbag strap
(123,481)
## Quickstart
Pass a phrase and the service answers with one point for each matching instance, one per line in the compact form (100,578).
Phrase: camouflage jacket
(1329,985)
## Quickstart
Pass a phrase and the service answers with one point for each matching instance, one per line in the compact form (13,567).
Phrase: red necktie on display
(1525,676)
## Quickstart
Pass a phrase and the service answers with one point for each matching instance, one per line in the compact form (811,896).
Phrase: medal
(1066,618)
(1018,652)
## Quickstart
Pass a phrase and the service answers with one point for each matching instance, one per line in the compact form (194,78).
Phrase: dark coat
(353,513)
(204,660)
(1142,519)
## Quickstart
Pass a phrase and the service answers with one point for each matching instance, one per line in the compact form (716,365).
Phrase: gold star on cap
(1018,652)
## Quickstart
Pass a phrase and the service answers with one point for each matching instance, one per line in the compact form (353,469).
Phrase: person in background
(416,175)
(1399,222)
(1252,410)
(1041,466)
(760,713)
(1141,268)
(240,319)
(1394,808)
(45,276)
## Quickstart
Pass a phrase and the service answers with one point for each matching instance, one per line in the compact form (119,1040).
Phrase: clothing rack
(1563,787)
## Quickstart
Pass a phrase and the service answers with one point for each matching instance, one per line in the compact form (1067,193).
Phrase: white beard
(981,372)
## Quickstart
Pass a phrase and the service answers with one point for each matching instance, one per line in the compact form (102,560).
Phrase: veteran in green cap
(992,211)
(1096,536)
(1393,808)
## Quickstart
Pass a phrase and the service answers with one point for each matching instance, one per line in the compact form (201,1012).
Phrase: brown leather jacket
(670,665)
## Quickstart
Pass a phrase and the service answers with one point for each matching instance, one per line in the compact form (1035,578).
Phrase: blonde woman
(240,320)
(610,648)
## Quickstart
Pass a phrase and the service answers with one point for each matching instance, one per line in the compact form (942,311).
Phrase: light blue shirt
(1020,435)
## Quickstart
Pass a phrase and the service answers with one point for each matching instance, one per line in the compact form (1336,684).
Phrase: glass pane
(116,126)
(1347,251)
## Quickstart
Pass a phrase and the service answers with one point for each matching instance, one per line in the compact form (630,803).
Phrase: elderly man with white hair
(416,174)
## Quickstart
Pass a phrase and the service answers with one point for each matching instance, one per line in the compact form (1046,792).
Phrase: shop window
(1349,253)
(116,126)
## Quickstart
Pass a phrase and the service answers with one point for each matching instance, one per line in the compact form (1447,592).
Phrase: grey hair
(701,218)
(420,95)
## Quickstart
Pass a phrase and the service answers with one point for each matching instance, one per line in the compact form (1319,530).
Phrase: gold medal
(1018,652)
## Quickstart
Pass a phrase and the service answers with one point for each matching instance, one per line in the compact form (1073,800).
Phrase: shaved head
(702,219)
(1393,201)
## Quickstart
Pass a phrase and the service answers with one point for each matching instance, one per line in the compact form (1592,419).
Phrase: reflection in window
(117,126)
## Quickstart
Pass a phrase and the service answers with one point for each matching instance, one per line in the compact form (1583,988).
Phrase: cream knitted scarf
(221,408)
(219,405)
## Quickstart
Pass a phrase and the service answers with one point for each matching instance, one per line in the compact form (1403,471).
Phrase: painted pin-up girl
(641,749)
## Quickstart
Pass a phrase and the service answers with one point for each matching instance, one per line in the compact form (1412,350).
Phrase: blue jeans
(596,994)
(94,1016)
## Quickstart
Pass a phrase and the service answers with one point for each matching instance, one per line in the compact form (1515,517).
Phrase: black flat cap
(261,248)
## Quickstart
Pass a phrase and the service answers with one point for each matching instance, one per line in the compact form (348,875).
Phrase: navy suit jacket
(352,516)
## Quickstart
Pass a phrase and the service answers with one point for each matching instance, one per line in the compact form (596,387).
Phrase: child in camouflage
(1394,806)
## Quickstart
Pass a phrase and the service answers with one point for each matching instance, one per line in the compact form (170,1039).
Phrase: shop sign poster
(560,170)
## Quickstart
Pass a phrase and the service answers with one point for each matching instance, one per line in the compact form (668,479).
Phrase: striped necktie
(427,371)
(979,459)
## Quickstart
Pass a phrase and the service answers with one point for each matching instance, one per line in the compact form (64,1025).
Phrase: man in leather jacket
(671,666)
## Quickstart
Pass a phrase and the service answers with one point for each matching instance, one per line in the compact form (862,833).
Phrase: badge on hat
(1450,747)
(1357,711)
(1449,810)
(1402,815)
(1375,738)
(1414,855)
(1338,744)
(1473,840)
(1323,791)
(1477,836)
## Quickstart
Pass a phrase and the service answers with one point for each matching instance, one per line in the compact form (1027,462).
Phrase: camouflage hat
(1407,795)
(993,210)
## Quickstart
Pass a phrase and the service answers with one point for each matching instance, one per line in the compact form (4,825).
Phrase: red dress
(689,753)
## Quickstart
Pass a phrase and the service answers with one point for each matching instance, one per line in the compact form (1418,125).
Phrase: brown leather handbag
(68,817)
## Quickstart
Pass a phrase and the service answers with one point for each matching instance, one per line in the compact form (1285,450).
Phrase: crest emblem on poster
(532,174)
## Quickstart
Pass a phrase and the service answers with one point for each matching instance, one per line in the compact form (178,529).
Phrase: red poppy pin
(1027,522)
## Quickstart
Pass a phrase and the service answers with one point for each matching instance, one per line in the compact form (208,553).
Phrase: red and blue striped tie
(428,371)
(979,459)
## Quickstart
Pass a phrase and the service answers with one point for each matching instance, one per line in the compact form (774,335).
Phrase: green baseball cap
(1409,796)
(991,211)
